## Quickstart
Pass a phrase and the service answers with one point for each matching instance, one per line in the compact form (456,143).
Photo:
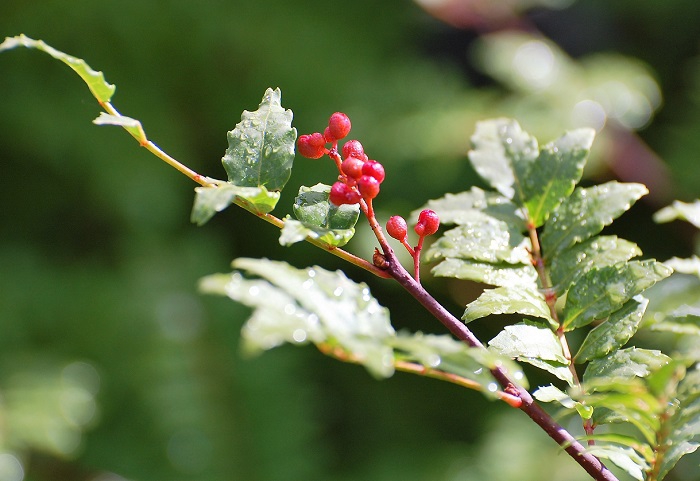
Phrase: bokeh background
(113,367)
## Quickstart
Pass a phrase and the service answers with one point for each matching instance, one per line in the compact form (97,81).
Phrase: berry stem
(416,258)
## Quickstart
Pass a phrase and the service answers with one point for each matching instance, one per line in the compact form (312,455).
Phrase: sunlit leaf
(506,300)
(501,152)
(690,265)
(132,126)
(95,80)
(552,393)
(503,275)
(600,292)
(585,213)
(680,210)
(625,363)
(570,265)
(261,148)
(624,458)
(295,231)
(554,173)
(613,333)
(212,199)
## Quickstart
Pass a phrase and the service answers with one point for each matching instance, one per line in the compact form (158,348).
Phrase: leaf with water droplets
(483,239)
(553,175)
(680,210)
(502,275)
(507,300)
(501,153)
(624,458)
(585,213)
(625,364)
(600,292)
(613,333)
(295,305)
(551,393)
(319,218)
(567,267)
(261,148)
(212,199)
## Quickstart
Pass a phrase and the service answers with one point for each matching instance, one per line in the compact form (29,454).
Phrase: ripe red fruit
(428,223)
(368,186)
(374,169)
(339,125)
(352,167)
(396,227)
(353,148)
(312,146)
(343,194)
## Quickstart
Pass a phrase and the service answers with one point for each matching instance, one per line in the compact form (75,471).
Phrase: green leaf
(533,344)
(600,292)
(501,152)
(295,231)
(506,300)
(95,81)
(690,265)
(484,239)
(631,442)
(308,305)
(459,208)
(624,458)
(132,126)
(625,364)
(261,148)
(571,264)
(680,210)
(613,333)
(212,199)
(552,393)
(585,213)
(503,274)
(554,173)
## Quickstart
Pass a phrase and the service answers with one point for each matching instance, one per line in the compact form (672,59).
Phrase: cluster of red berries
(360,177)
(428,224)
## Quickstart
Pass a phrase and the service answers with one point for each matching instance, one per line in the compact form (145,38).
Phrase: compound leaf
(260,149)
(506,300)
(554,173)
(600,292)
(585,213)
(613,333)
(95,80)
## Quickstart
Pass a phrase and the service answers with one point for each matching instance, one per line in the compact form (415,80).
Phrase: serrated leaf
(459,208)
(624,458)
(261,148)
(585,213)
(690,265)
(506,300)
(554,173)
(484,239)
(295,305)
(527,340)
(212,199)
(501,152)
(132,126)
(95,80)
(502,275)
(680,210)
(567,267)
(552,393)
(631,442)
(613,333)
(600,292)
(625,364)
(295,231)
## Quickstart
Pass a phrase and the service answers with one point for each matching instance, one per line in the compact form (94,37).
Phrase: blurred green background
(113,367)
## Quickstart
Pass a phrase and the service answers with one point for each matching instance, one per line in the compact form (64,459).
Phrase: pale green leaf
(631,442)
(567,267)
(527,340)
(600,292)
(501,151)
(585,213)
(554,173)
(690,265)
(503,275)
(296,305)
(95,80)
(613,333)
(212,199)
(552,393)
(680,210)
(625,364)
(624,458)
(506,300)
(295,231)
(558,369)
(132,126)
(484,239)
(261,148)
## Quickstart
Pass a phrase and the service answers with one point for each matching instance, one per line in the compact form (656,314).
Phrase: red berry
(353,148)
(339,125)
(428,223)
(368,187)
(352,167)
(396,227)
(343,194)
(328,136)
(312,146)
(374,169)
